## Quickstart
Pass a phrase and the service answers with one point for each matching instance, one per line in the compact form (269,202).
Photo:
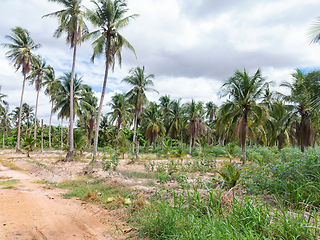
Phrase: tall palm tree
(175,119)
(104,126)
(192,116)
(71,22)
(37,75)
(121,111)
(92,111)
(243,91)
(51,85)
(140,82)
(108,16)
(21,55)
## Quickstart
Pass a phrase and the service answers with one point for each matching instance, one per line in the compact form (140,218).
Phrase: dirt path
(32,211)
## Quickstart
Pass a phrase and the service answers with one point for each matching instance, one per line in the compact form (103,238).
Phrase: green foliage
(290,176)
(230,174)
(231,150)
(28,144)
(110,163)
(179,153)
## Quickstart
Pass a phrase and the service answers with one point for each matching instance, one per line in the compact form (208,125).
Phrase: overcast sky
(190,46)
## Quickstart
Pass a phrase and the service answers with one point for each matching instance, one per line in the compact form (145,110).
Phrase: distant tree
(37,75)
(137,97)
(51,85)
(21,55)
(121,112)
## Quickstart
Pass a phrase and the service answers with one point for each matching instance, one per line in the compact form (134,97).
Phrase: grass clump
(97,191)
(11,165)
(7,184)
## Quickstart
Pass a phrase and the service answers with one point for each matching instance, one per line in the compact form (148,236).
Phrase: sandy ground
(34,211)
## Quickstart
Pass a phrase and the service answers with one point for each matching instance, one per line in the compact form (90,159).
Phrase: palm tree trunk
(70,153)
(119,124)
(35,119)
(61,134)
(41,135)
(181,139)
(244,135)
(19,121)
(50,126)
(303,132)
(4,135)
(96,135)
(91,123)
(190,144)
(134,131)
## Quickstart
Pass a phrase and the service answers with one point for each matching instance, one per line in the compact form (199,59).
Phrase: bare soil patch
(33,211)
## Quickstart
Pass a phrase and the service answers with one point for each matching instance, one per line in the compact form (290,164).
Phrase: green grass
(8,187)
(96,191)
(9,182)
(193,217)
(292,177)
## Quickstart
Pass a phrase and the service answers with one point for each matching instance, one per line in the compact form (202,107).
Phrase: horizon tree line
(240,118)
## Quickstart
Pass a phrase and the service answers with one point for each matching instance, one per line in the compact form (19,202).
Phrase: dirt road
(34,211)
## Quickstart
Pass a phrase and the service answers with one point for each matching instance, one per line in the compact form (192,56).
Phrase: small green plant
(230,174)
(231,150)
(113,162)
(179,153)
(28,144)
(166,145)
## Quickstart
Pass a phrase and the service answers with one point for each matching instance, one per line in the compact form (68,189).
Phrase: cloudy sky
(190,46)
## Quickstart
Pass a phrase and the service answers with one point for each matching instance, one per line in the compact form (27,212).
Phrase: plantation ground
(30,210)
(160,197)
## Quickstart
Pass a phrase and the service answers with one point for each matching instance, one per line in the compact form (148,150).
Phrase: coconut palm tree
(121,111)
(193,116)
(21,55)
(51,85)
(104,127)
(137,97)
(108,16)
(36,77)
(243,91)
(175,119)
(152,122)
(62,98)
(71,22)
(302,98)
(211,109)
(27,113)
(92,111)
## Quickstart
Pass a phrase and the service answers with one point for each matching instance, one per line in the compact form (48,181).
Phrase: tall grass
(195,217)
(289,174)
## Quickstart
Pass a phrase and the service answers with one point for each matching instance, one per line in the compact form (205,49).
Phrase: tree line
(252,113)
